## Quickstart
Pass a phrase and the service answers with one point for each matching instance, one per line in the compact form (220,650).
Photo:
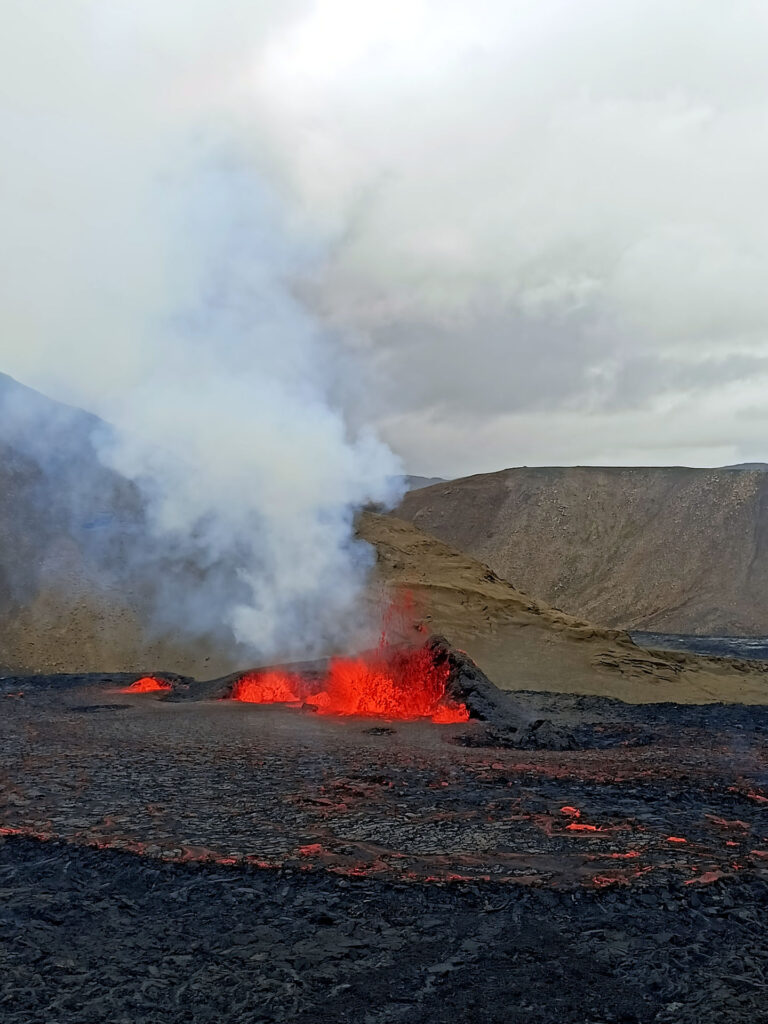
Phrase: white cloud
(522,193)
(549,213)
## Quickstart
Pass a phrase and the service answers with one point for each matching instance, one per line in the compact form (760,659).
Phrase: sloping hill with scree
(666,550)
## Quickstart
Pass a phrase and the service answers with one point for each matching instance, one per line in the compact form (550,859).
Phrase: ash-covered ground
(215,861)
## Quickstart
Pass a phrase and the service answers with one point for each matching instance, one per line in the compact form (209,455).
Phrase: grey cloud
(521,218)
(489,362)
(530,169)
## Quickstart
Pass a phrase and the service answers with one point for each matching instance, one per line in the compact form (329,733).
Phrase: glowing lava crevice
(402,685)
(270,687)
(147,684)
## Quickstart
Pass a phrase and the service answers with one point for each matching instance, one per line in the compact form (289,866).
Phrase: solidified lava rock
(199,943)
(467,684)
(508,725)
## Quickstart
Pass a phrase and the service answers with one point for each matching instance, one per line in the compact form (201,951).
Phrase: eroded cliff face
(664,549)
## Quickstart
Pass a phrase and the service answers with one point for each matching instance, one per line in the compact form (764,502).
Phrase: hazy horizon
(440,478)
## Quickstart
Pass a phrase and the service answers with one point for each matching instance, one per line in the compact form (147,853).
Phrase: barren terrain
(176,856)
(72,599)
(523,643)
(669,550)
(206,861)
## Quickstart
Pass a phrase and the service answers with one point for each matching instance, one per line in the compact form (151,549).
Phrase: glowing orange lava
(270,687)
(147,684)
(400,684)
(449,714)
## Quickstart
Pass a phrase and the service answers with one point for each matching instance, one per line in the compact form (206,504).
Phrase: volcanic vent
(433,683)
(391,683)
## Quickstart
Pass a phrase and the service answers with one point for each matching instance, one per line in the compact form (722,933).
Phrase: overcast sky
(538,228)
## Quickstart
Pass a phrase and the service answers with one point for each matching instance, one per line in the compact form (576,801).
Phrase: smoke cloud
(149,280)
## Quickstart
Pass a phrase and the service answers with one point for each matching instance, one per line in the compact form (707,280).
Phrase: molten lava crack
(400,684)
(147,684)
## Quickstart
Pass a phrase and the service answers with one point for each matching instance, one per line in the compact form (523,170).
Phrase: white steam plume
(148,280)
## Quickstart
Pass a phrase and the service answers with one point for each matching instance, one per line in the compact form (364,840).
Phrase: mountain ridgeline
(669,550)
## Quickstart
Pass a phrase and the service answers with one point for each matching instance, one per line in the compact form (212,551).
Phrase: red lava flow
(270,687)
(401,684)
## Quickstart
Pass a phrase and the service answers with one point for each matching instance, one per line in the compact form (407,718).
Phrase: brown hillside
(522,643)
(667,549)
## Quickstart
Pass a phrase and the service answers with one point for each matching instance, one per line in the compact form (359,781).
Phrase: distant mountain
(413,483)
(661,549)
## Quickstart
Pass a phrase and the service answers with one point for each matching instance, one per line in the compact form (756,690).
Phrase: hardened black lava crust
(168,860)
(93,936)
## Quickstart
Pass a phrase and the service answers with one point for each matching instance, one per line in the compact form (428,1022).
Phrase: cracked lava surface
(273,787)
